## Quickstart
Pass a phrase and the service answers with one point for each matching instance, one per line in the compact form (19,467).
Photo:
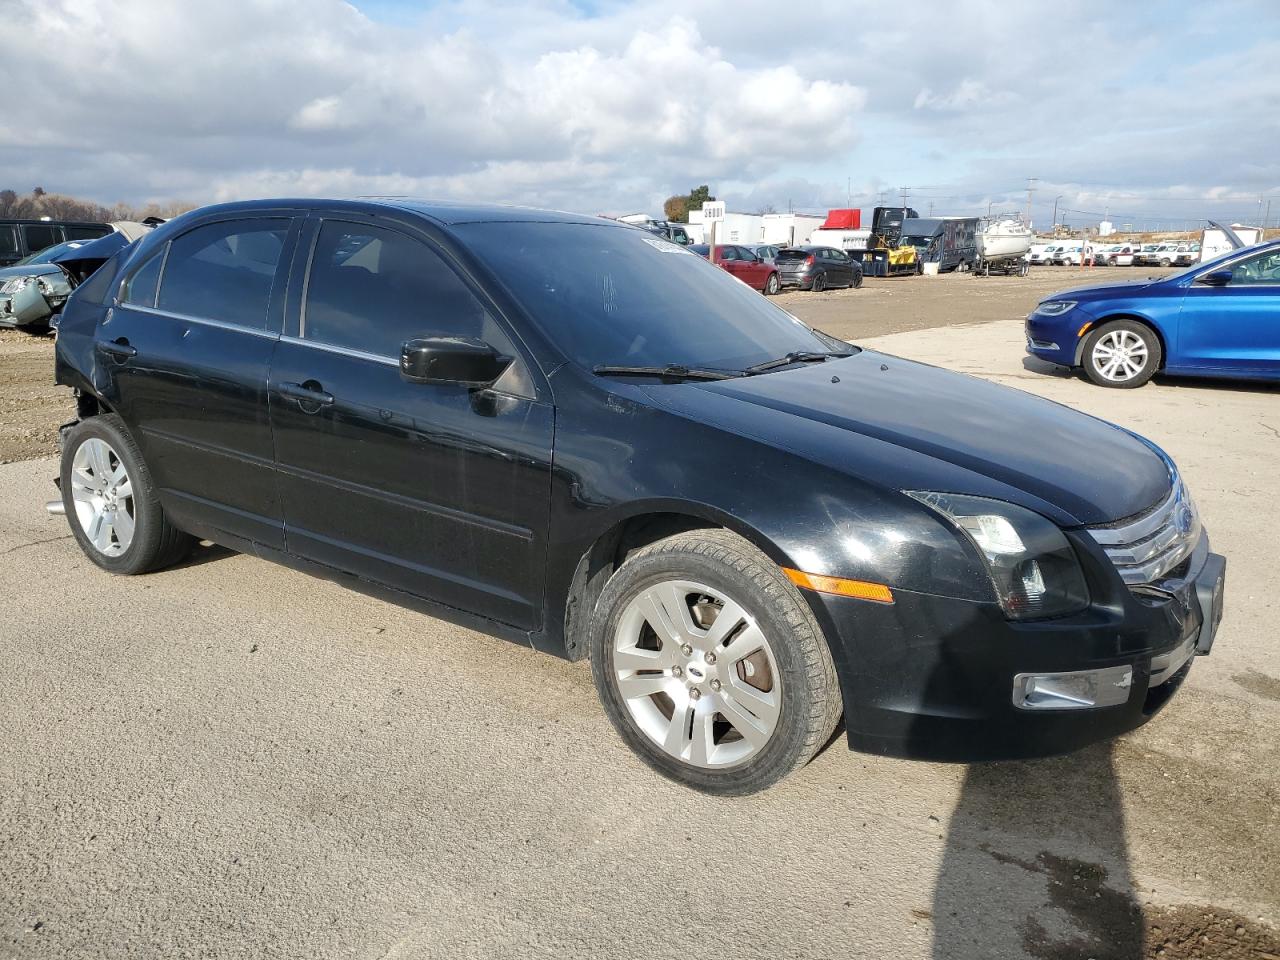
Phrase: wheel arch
(639,527)
(1132,318)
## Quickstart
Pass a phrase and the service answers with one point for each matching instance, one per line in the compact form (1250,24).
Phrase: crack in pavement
(34,543)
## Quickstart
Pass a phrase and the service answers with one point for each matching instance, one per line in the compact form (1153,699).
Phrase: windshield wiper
(671,371)
(798,356)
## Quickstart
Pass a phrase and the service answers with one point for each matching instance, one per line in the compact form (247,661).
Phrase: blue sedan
(1215,319)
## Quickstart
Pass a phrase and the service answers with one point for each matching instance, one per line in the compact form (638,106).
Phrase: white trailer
(789,229)
(1214,243)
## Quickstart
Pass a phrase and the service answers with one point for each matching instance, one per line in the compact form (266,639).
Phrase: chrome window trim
(306,278)
(204,321)
(342,351)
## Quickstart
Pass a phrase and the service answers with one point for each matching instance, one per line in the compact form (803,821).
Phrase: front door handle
(307,394)
(119,348)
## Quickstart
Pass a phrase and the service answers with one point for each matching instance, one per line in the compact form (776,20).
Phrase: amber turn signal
(839,586)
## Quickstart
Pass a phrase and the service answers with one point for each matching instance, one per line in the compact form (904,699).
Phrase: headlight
(1055,308)
(14,285)
(1033,568)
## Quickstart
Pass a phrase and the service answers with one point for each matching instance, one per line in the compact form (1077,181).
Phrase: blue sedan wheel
(1123,353)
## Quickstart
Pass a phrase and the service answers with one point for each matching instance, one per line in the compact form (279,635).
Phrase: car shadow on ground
(1036,865)
(202,553)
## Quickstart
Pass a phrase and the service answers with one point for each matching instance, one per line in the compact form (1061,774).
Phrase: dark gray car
(817,268)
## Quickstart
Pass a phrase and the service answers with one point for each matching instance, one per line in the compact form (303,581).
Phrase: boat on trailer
(1003,244)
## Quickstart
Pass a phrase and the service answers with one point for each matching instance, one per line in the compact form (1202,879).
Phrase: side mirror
(1215,278)
(458,360)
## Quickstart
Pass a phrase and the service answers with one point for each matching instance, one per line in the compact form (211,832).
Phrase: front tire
(857,279)
(1122,354)
(111,501)
(710,664)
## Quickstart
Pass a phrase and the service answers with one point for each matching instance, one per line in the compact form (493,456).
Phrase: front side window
(370,289)
(609,295)
(1263,268)
(8,242)
(39,236)
(224,271)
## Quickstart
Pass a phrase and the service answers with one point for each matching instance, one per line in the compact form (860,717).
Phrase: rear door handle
(306,393)
(118,348)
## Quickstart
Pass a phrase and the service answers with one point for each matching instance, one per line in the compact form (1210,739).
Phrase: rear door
(435,489)
(1234,328)
(184,352)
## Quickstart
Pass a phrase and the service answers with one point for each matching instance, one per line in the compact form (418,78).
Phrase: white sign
(712,210)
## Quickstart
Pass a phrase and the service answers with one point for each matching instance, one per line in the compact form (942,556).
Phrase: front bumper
(931,677)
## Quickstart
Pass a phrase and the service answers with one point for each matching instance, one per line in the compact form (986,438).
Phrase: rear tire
(781,689)
(819,283)
(111,502)
(772,285)
(1122,354)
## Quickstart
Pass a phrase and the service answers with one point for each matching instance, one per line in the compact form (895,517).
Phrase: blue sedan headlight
(1055,308)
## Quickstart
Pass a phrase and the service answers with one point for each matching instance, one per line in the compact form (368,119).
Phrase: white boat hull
(1004,239)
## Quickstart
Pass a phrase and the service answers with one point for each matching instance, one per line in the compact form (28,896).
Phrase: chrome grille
(1147,549)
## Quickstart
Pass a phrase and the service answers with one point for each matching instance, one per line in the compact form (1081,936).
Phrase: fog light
(1079,690)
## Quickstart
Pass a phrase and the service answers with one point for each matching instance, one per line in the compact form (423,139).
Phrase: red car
(745,265)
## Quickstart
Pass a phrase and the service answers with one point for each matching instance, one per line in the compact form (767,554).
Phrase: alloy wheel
(1120,355)
(103,497)
(697,674)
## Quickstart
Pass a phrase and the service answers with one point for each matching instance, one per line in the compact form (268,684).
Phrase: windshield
(917,241)
(611,296)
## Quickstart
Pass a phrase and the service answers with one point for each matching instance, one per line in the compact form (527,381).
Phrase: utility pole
(849,191)
(931,208)
(1055,209)
(904,200)
(1266,217)
(1031,187)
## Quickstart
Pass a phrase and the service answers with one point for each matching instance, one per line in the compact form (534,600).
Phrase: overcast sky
(1141,110)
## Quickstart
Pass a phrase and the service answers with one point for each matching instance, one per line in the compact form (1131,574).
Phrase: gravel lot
(231,759)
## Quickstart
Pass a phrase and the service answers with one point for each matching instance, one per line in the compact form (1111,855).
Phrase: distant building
(1106,228)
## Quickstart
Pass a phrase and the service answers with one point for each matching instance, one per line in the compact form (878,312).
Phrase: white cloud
(534,101)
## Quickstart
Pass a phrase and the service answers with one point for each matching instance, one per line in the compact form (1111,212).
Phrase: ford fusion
(584,438)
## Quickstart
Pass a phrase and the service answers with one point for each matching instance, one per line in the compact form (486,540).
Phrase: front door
(435,489)
(1234,328)
(183,358)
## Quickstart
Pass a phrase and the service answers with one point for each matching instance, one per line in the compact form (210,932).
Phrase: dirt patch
(32,407)
(1111,925)
(899,304)
(1260,684)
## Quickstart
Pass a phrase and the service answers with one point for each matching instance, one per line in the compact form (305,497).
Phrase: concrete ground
(232,759)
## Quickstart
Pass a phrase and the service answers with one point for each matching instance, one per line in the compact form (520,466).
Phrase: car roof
(444,212)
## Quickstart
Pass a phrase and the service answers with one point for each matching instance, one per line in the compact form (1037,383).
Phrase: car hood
(28,270)
(906,425)
(1102,291)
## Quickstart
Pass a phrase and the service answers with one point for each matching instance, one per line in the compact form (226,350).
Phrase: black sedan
(817,268)
(570,433)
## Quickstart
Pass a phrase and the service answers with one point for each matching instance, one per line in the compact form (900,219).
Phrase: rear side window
(224,271)
(86,233)
(140,287)
(370,289)
(40,235)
